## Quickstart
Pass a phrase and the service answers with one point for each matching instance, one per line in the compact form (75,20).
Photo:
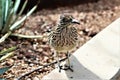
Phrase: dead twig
(41,67)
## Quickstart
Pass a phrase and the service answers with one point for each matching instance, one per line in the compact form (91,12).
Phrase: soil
(32,53)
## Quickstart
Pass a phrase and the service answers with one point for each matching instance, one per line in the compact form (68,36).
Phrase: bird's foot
(59,68)
(66,67)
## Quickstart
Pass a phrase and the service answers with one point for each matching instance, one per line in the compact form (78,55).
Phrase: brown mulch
(32,53)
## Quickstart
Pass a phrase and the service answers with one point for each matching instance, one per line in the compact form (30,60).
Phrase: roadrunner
(64,37)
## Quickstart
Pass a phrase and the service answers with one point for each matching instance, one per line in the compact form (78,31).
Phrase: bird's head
(68,20)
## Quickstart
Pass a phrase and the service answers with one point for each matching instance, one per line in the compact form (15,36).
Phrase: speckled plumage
(64,37)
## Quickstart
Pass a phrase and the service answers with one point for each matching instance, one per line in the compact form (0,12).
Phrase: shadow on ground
(80,72)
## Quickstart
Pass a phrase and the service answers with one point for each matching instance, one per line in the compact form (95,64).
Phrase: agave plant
(3,55)
(9,17)
(3,70)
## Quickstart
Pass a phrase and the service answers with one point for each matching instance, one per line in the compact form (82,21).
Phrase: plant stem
(26,36)
(6,56)
(5,36)
(7,50)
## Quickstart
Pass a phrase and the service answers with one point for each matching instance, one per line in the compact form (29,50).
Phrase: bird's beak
(75,21)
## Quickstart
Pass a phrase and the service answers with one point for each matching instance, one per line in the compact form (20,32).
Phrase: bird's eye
(70,19)
(64,20)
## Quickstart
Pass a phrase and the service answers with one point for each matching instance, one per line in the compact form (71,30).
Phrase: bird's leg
(68,65)
(58,62)
(68,59)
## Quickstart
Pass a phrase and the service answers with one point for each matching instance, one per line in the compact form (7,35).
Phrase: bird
(64,38)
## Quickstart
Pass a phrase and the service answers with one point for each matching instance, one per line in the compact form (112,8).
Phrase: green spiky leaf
(6,11)
(2,79)
(6,56)
(16,6)
(0,14)
(9,18)
(16,24)
(23,7)
(3,52)
(4,69)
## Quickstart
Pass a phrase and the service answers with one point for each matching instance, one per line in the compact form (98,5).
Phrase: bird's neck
(63,28)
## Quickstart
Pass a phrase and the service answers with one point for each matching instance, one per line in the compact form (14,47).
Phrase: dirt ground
(32,53)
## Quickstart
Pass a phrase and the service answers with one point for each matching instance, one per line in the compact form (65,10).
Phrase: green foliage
(9,17)
(4,69)
(3,55)
(2,79)
(3,52)
(8,14)
(0,14)
(6,53)
(6,10)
